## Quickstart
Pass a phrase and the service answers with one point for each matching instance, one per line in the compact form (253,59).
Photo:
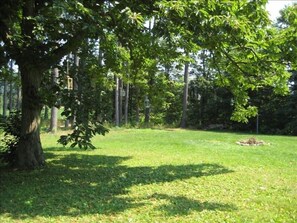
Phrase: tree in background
(283,118)
(54,110)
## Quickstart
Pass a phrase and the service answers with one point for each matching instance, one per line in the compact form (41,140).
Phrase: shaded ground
(77,184)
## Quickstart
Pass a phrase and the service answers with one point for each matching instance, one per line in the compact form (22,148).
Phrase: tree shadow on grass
(79,184)
(181,205)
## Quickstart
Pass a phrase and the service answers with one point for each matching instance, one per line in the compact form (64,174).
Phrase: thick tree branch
(3,32)
(54,56)
(229,57)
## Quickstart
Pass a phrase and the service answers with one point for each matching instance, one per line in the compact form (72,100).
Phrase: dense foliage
(11,136)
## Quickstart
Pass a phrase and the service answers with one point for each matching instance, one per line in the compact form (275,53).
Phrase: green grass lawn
(157,176)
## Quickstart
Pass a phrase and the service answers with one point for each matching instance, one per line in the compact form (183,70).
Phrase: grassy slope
(157,176)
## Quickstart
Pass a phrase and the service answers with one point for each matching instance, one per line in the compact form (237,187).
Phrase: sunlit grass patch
(157,176)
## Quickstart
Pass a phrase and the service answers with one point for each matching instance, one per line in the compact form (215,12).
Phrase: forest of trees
(187,63)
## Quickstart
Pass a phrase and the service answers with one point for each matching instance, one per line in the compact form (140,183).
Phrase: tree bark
(137,118)
(137,111)
(54,110)
(120,101)
(185,96)
(11,104)
(76,84)
(29,153)
(116,101)
(45,117)
(146,111)
(19,99)
(126,103)
(4,113)
(54,120)
(11,108)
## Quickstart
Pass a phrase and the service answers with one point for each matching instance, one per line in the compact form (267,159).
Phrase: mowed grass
(157,176)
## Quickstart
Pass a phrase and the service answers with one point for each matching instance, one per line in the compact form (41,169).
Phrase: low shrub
(11,127)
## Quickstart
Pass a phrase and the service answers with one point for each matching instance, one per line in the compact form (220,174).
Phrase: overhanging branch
(54,56)
(234,62)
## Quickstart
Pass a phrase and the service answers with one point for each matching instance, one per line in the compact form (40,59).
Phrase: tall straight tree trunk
(45,116)
(18,100)
(54,110)
(126,103)
(11,104)
(29,153)
(11,89)
(116,102)
(137,118)
(185,96)
(137,112)
(120,101)
(19,97)
(75,85)
(4,99)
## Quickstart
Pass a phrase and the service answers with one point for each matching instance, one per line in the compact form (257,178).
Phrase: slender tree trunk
(4,99)
(18,101)
(137,106)
(185,97)
(29,153)
(126,103)
(19,96)
(120,101)
(146,111)
(45,117)
(116,101)
(11,89)
(67,123)
(54,120)
(69,86)
(54,111)
(137,113)
(11,104)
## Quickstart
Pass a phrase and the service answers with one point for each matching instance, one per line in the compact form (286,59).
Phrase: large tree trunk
(29,151)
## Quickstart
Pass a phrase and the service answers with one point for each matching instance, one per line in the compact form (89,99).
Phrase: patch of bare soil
(251,142)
